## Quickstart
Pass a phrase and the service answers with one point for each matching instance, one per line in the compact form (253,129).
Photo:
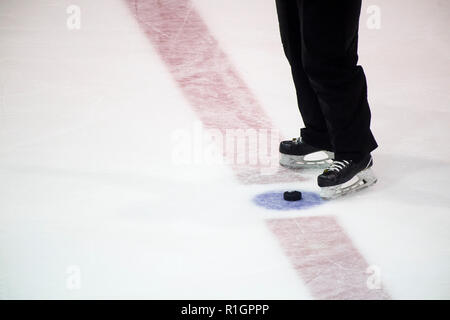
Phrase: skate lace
(338,165)
(297,140)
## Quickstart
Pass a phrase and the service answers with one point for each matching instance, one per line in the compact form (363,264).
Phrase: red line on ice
(325,258)
(205,75)
(318,247)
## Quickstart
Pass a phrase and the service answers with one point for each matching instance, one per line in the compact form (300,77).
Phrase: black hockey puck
(292,195)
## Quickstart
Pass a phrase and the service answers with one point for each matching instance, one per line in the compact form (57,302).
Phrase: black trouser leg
(315,132)
(328,40)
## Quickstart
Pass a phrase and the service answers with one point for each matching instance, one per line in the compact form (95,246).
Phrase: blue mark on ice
(274,201)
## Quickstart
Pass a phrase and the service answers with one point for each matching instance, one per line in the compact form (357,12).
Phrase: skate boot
(295,154)
(346,176)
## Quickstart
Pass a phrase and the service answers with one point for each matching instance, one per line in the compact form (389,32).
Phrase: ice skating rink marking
(320,251)
(274,200)
(206,77)
(325,258)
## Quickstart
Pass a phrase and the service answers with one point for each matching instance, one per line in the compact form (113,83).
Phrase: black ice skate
(296,154)
(343,177)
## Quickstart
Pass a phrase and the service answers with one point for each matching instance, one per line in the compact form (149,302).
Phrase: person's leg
(329,56)
(315,132)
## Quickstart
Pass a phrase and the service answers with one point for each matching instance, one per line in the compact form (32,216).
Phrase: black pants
(320,40)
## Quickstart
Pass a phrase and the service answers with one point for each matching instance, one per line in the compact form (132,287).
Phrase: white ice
(87,182)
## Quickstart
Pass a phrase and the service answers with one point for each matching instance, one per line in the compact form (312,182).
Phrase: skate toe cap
(286,147)
(327,179)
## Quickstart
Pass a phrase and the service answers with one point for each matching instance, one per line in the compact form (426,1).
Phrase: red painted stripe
(206,77)
(325,258)
(201,69)
(319,249)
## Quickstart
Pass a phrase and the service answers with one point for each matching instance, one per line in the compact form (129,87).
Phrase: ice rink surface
(93,203)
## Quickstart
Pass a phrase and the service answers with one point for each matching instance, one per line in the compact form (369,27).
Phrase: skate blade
(316,160)
(362,180)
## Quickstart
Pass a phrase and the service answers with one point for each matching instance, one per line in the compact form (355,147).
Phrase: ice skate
(296,154)
(346,176)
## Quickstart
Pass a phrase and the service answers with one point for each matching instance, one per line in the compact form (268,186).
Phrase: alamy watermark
(236,147)
(374,20)
(73,277)
(373,281)
(73,21)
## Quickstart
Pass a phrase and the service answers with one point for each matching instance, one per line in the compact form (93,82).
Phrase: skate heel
(367,177)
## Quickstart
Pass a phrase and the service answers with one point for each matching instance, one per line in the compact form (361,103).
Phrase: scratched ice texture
(91,193)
